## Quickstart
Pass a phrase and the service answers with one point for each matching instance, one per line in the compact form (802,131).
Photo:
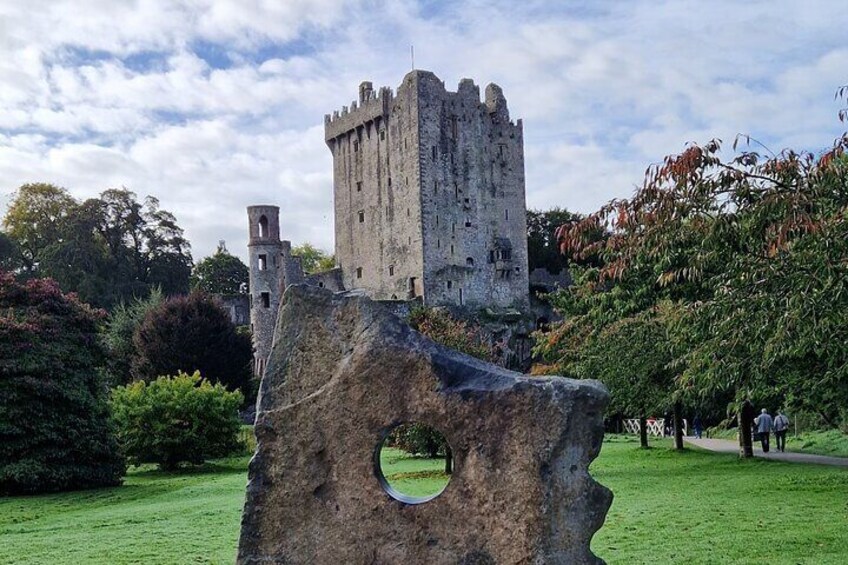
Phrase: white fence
(656,427)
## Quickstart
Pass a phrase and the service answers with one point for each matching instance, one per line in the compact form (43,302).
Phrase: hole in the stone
(414,463)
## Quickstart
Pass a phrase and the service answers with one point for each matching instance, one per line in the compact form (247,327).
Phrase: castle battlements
(372,105)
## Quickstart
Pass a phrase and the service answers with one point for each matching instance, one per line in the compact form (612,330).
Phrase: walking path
(729,446)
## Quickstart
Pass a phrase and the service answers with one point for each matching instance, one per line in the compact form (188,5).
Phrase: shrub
(192,333)
(178,419)
(441,327)
(55,432)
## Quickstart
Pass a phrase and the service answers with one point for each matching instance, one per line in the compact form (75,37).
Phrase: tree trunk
(744,420)
(678,426)
(643,432)
(448,460)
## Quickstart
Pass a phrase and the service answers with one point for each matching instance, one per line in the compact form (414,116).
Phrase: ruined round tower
(265,252)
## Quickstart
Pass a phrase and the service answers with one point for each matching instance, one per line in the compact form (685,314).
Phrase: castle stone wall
(429,194)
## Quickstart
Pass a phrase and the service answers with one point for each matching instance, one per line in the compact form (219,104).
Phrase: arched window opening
(263,226)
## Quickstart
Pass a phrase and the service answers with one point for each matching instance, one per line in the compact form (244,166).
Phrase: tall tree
(760,243)
(542,243)
(35,217)
(107,249)
(220,273)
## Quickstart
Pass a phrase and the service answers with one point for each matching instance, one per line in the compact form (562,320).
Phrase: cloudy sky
(213,105)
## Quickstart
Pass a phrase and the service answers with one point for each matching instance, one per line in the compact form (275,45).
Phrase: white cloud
(102,93)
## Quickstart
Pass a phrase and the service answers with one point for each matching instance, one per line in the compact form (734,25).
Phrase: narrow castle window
(263,262)
(266,299)
(359,272)
(435,186)
(434,152)
(390,182)
(361,216)
(358,186)
(355,146)
(506,215)
(469,261)
(467,222)
(460,297)
(451,249)
(382,135)
(450,285)
(438,244)
(391,270)
(437,221)
(263,226)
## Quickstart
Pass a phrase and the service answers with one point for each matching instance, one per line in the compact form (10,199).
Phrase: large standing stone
(343,372)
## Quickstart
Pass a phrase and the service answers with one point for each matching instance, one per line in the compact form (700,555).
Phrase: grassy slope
(698,507)
(669,507)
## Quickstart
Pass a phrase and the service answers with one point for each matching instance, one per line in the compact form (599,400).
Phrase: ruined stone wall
(266,273)
(429,194)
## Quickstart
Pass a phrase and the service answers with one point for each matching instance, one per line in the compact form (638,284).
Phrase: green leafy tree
(108,249)
(35,217)
(172,420)
(542,243)
(220,273)
(193,333)
(55,432)
(118,335)
(757,245)
(312,259)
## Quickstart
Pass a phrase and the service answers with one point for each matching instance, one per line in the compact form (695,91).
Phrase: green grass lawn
(413,476)
(690,507)
(699,507)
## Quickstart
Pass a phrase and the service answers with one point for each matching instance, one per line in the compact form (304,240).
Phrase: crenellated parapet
(371,106)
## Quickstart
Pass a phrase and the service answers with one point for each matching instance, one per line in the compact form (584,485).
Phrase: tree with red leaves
(55,432)
(753,253)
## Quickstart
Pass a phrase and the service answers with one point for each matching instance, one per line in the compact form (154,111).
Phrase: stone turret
(266,276)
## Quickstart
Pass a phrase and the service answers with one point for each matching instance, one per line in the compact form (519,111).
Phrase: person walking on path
(764,426)
(696,424)
(781,424)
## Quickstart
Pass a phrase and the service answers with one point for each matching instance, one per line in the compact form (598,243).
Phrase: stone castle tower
(429,205)
(272,268)
(429,194)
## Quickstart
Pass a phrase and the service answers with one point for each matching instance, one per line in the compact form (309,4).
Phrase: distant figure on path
(764,427)
(696,425)
(781,424)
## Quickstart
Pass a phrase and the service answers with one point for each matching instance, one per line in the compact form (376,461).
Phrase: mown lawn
(699,507)
(669,508)
(412,476)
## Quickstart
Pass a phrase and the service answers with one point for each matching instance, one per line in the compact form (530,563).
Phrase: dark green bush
(192,333)
(178,419)
(54,423)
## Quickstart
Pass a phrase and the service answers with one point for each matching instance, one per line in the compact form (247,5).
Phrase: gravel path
(729,446)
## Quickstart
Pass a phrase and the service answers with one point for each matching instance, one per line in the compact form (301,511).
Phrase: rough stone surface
(342,373)
(429,194)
